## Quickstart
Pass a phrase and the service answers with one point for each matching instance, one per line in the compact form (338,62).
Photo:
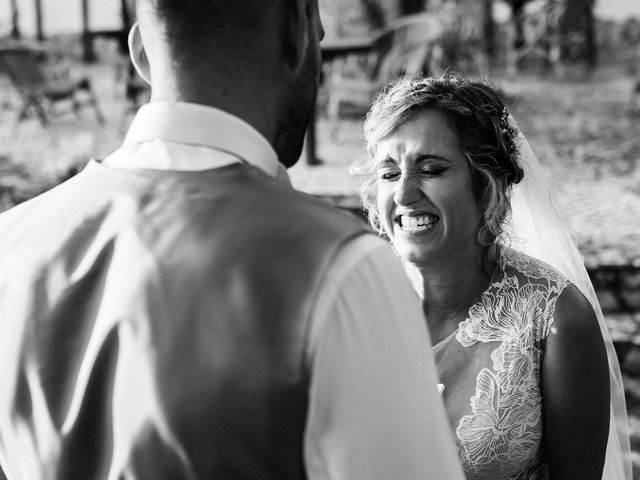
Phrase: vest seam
(317,288)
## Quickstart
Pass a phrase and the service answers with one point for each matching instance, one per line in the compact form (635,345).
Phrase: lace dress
(490,368)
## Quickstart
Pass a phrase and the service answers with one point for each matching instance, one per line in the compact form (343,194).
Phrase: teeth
(414,222)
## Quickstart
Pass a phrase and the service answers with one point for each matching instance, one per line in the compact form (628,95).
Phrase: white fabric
(537,229)
(368,336)
(191,124)
(370,343)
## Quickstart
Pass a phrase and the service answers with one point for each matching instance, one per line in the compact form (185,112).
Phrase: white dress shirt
(368,336)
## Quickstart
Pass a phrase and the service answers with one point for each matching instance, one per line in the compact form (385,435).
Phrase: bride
(530,380)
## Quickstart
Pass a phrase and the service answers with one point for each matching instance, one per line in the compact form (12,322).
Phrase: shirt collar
(200,125)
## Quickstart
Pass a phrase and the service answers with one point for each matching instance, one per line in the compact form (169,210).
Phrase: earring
(484,237)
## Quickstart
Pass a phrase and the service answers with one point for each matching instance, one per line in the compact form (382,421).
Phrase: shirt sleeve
(374,409)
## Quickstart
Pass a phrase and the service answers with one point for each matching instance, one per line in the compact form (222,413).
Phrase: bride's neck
(450,288)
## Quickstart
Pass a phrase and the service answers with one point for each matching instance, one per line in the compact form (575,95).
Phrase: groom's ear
(138,54)
(302,25)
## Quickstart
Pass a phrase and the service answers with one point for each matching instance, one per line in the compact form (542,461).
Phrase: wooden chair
(40,94)
(402,49)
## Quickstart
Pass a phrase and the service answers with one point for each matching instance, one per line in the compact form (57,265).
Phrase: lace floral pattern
(501,438)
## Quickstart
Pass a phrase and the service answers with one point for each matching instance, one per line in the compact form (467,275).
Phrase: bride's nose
(407,190)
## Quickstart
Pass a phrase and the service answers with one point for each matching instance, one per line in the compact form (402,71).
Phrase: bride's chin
(412,255)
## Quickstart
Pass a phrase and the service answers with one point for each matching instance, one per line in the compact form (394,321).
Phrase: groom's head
(257,59)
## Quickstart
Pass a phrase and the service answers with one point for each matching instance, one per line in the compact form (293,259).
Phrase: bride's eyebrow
(386,162)
(432,157)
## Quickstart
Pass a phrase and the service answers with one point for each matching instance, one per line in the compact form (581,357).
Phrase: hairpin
(509,133)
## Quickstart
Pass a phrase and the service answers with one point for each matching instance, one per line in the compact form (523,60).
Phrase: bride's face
(425,196)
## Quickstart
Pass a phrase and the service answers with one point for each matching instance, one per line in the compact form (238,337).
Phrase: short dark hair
(476,110)
(191,24)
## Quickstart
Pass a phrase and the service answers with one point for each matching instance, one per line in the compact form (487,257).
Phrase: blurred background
(569,69)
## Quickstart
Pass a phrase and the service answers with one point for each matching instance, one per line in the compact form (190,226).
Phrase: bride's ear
(138,54)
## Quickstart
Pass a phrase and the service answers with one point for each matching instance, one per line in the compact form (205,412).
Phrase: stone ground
(578,127)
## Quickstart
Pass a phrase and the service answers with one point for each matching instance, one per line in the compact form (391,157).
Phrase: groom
(178,311)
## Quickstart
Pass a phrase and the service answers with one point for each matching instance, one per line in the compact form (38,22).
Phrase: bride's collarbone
(442,323)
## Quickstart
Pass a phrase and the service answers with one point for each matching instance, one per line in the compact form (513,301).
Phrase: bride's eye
(432,171)
(388,174)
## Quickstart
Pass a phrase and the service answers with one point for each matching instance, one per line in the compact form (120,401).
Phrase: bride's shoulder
(567,303)
(529,269)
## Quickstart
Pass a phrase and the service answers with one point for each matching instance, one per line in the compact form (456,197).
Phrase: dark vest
(215,275)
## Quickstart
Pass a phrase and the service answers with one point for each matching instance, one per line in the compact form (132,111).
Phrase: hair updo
(477,113)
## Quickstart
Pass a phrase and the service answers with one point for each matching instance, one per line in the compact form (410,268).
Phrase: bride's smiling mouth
(416,223)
